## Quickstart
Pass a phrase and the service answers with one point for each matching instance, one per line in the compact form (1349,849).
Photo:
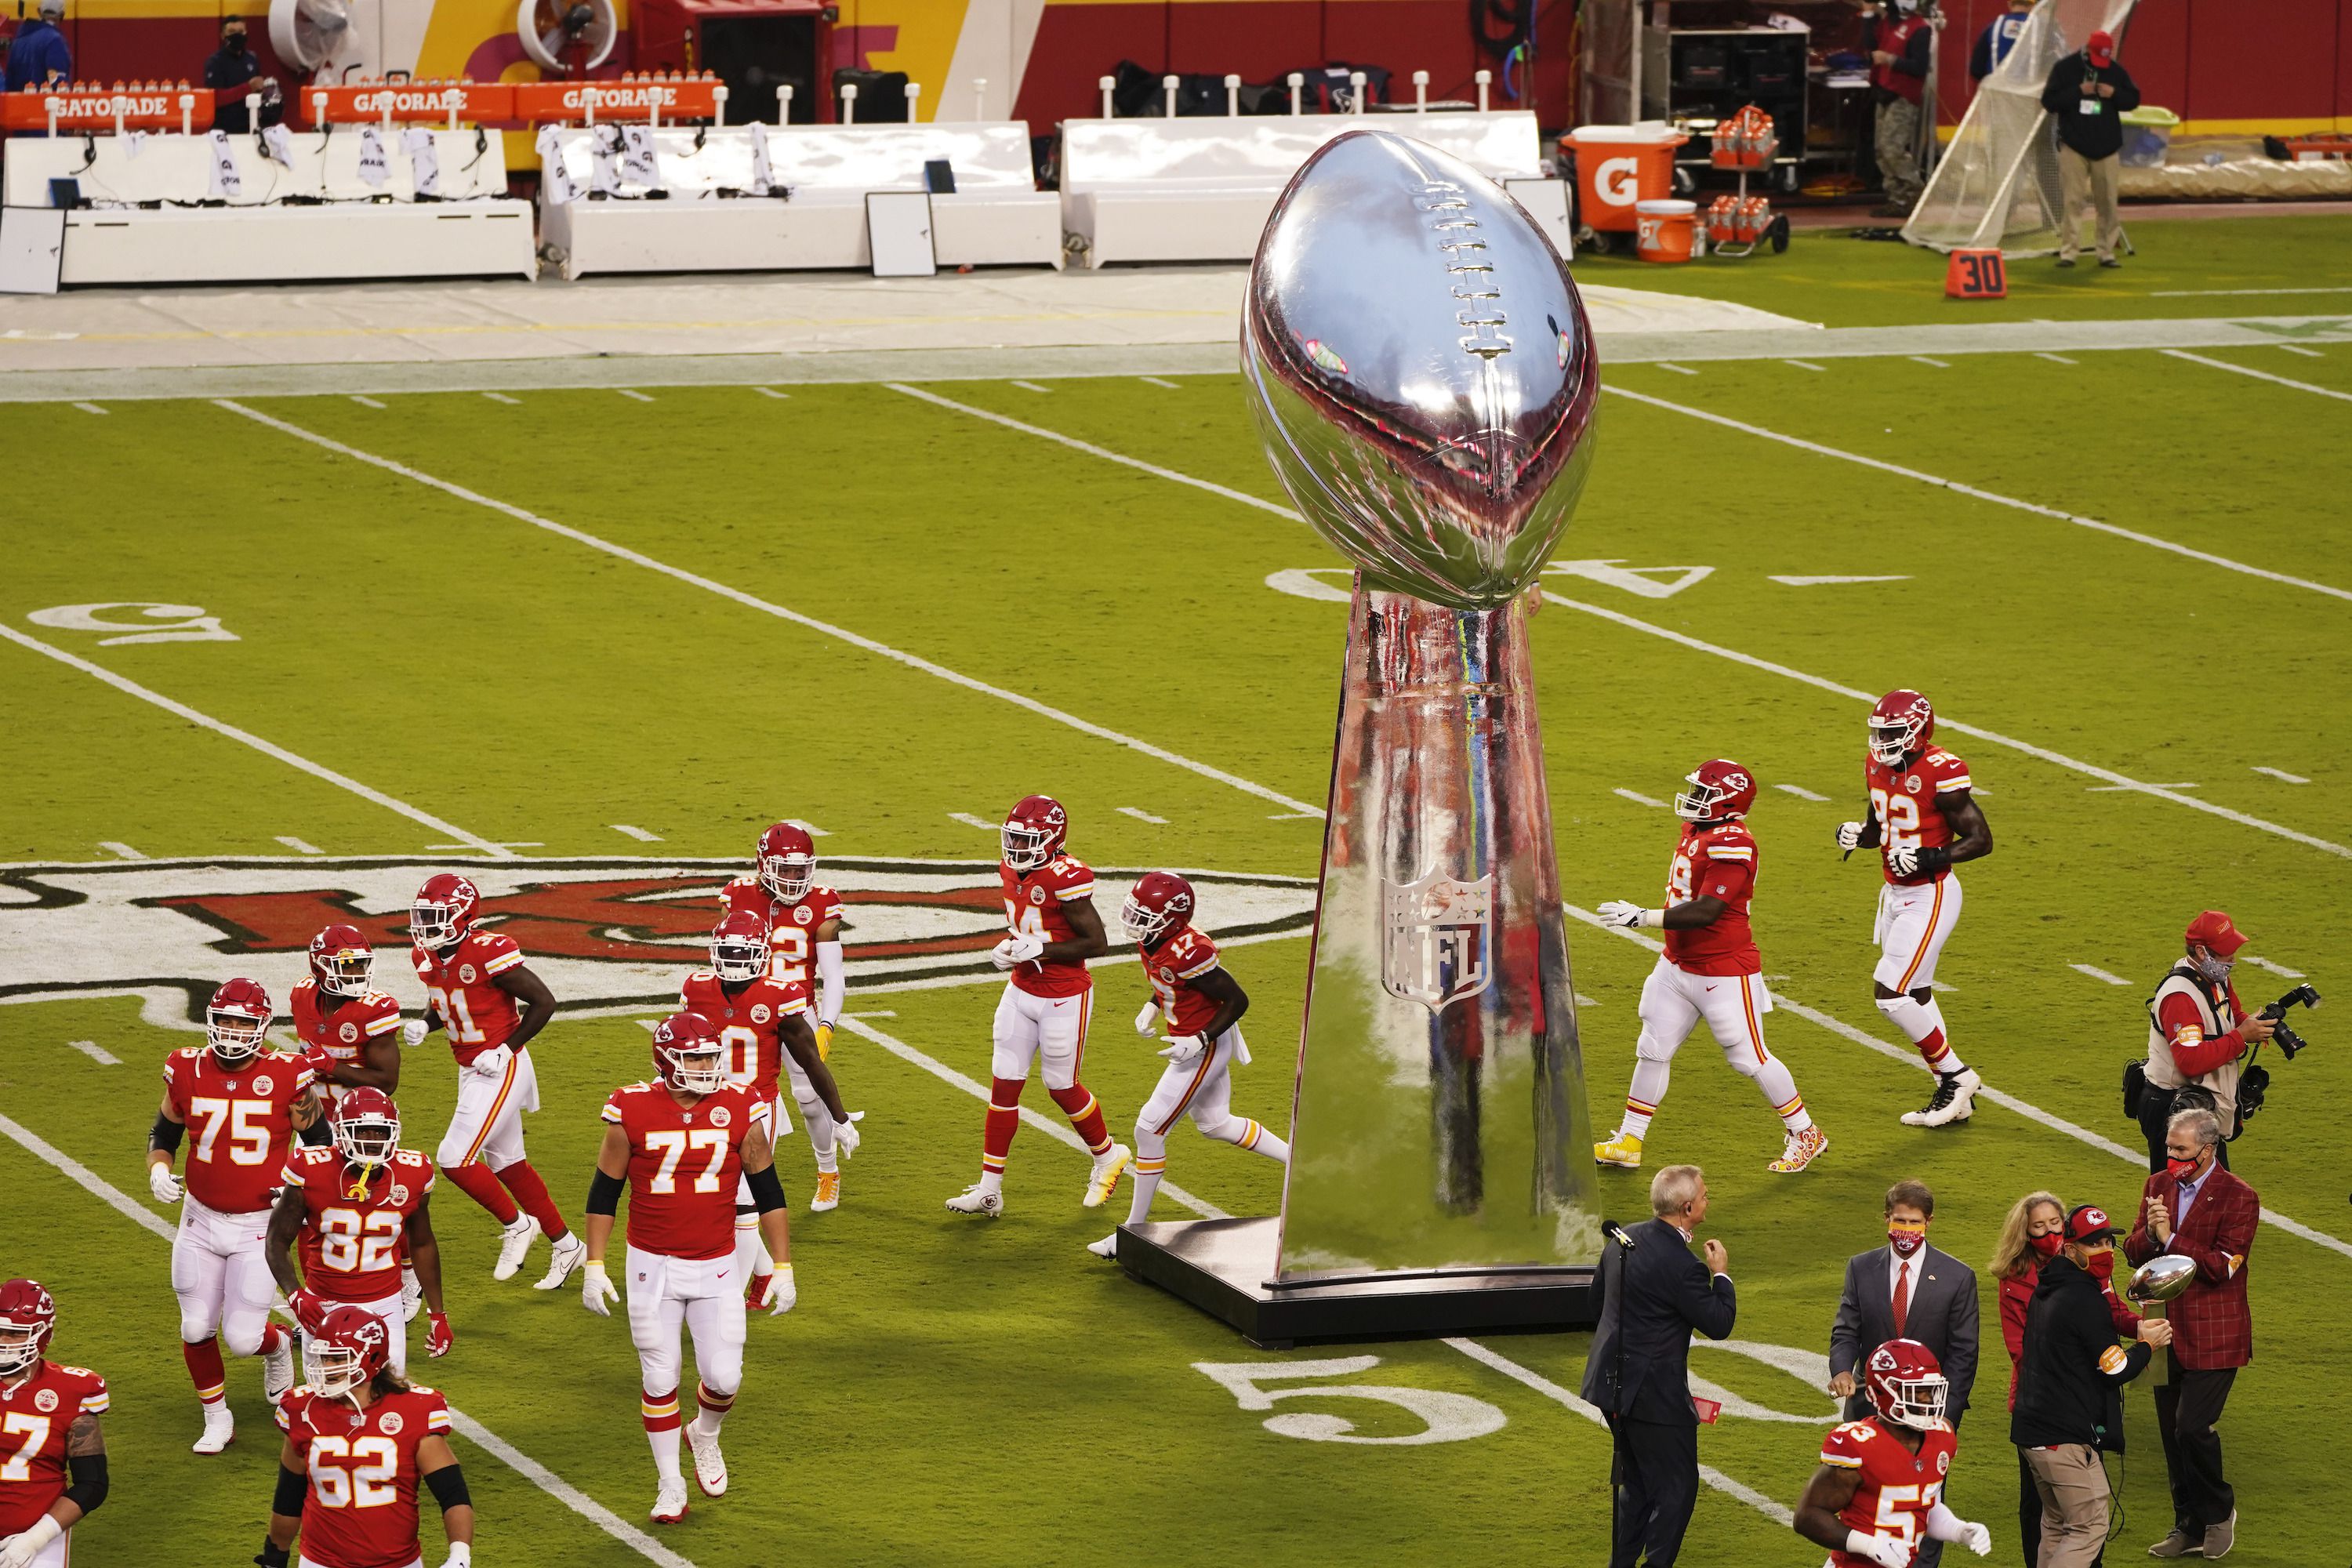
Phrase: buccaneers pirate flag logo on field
(602,932)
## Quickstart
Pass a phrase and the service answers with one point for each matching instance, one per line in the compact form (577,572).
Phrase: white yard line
(969,820)
(1157,381)
(640,834)
(1141,815)
(772,391)
(2097,974)
(96,1053)
(1031,386)
(1801,792)
(2284,776)
(117,847)
(300,845)
(502,397)
(246,737)
(2259,374)
(1802,364)
(1922,359)
(633,393)
(2041,752)
(753,601)
(365,402)
(547,1480)
(90,408)
(1677,369)
(2215,293)
(1995,497)
(1639,799)
(2299,349)
(2056,358)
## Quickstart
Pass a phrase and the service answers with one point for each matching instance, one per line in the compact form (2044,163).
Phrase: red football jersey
(1177,960)
(360,1511)
(684,1164)
(750,1024)
(1908,806)
(240,1124)
(476,1016)
(1032,906)
(792,928)
(341,1026)
(34,1417)
(350,1236)
(1897,1488)
(1719,860)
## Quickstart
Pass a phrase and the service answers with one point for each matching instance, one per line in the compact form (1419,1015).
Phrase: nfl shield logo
(1438,934)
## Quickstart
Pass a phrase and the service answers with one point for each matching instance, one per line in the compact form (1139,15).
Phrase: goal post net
(1997,185)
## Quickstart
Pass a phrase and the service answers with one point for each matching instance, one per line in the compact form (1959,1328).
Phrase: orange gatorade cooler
(1664,230)
(1619,166)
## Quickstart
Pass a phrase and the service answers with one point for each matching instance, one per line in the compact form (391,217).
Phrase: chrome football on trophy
(1424,380)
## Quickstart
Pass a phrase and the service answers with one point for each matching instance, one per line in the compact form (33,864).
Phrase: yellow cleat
(1109,1165)
(1799,1151)
(828,1192)
(1624,1150)
(824,1042)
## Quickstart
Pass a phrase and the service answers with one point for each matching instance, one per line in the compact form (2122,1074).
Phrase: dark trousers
(2188,1404)
(1655,1472)
(2154,1111)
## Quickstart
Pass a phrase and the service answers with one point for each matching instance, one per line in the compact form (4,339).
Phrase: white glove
(1849,836)
(1026,947)
(1903,862)
(1147,1023)
(412,1033)
(1886,1550)
(1001,955)
(460,1556)
(781,1293)
(1183,1051)
(1976,1538)
(597,1293)
(19,1550)
(845,1139)
(163,1184)
(1618,913)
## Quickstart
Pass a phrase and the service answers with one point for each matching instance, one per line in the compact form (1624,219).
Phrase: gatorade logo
(1614,180)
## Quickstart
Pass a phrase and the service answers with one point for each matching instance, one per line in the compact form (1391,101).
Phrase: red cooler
(1618,166)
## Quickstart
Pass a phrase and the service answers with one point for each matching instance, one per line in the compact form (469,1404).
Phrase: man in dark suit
(1655,1292)
(2195,1208)
(1907,1291)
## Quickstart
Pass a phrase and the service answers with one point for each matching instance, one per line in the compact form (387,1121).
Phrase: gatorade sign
(1616,179)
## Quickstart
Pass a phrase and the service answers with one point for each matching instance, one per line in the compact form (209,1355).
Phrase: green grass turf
(954,1393)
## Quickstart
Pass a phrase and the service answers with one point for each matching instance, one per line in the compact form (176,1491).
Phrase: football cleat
(278,1370)
(972,1200)
(1107,1248)
(1624,1149)
(755,1291)
(669,1503)
(1954,1100)
(1109,1165)
(570,1252)
(220,1429)
(514,1245)
(828,1192)
(1800,1150)
(412,1296)
(710,1464)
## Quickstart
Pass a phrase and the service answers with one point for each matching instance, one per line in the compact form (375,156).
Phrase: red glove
(321,1065)
(440,1338)
(310,1310)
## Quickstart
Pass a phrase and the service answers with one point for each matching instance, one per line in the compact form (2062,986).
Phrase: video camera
(2255,1081)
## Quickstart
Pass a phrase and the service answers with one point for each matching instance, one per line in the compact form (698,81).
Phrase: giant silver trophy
(1424,382)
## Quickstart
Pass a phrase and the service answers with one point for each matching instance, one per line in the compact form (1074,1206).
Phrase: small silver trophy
(1424,381)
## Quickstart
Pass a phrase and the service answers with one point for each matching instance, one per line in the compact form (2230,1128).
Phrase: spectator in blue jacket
(38,56)
(2000,36)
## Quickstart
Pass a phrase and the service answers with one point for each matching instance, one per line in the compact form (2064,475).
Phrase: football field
(274,658)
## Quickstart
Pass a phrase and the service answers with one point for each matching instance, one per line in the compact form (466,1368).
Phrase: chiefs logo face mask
(1906,1237)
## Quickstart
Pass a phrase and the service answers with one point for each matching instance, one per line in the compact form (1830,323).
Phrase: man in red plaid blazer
(2196,1209)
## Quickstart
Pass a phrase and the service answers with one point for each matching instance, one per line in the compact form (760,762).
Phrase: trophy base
(1224,1265)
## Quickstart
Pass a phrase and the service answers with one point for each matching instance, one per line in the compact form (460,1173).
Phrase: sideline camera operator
(2198,1037)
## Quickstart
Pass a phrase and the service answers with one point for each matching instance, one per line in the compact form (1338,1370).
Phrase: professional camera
(2255,1081)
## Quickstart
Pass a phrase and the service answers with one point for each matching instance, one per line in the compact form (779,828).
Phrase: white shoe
(972,1200)
(1954,1100)
(828,1192)
(276,1371)
(1108,1167)
(220,1429)
(669,1503)
(1107,1248)
(570,1252)
(412,1296)
(514,1245)
(710,1464)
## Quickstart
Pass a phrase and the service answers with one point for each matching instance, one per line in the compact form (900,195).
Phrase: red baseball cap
(2089,1224)
(2101,48)
(2213,930)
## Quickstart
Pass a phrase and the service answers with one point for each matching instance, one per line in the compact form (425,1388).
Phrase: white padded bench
(996,217)
(1201,189)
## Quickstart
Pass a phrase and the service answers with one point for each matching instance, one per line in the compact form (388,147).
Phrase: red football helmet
(738,947)
(342,962)
(443,910)
(1160,903)
(234,1021)
(29,1315)
(1906,1384)
(688,1054)
(1719,789)
(1902,723)
(787,862)
(350,1346)
(366,1126)
(1033,834)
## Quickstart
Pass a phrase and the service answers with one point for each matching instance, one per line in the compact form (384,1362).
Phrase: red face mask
(2048,1246)
(1906,1242)
(2103,1264)
(2181,1170)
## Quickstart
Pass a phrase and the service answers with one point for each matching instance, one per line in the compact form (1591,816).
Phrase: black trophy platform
(1225,1266)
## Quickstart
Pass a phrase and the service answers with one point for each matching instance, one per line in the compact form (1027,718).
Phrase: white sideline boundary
(1995,497)
(2259,374)
(267,748)
(530,1470)
(751,601)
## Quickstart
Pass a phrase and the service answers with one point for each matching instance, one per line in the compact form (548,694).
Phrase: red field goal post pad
(1976,274)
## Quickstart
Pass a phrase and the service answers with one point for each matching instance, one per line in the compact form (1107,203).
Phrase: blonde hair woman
(2035,1228)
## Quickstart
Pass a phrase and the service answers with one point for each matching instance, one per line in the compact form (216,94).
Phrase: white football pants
(705,1295)
(1912,925)
(493,1092)
(221,1274)
(1054,1026)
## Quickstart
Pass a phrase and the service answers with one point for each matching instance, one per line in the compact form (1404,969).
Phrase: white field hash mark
(640,834)
(1639,799)
(2260,375)
(1801,792)
(2098,974)
(1141,815)
(2278,969)
(300,845)
(481,1436)
(90,408)
(96,1053)
(115,846)
(365,402)
(2282,775)
(969,820)
(751,601)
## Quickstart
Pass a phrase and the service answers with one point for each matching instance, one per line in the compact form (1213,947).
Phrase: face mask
(2182,1169)
(2103,1264)
(2216,970)
(1906,1242)
(2048,1246)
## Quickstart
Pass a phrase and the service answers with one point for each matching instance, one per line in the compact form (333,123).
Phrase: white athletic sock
(665,1446)
(1641,1100)
(991,1181)
(1146,1175)
(819,1121)
(749,1248)
(1781,1091)
(1923,1025)
(1264,1143)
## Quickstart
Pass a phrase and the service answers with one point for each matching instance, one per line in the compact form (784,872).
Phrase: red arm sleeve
(2012,1321)
(2177,1017)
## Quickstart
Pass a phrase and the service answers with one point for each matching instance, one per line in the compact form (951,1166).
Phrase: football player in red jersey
(1710,969)
(803,922)
(360,1442)
(679,1145)
(1203,1007)
(1879,1491)
(49,1426)
(764,1026)
(245,1104)
(351,1206)
(1053,929)
(474,977)
(1924,820)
